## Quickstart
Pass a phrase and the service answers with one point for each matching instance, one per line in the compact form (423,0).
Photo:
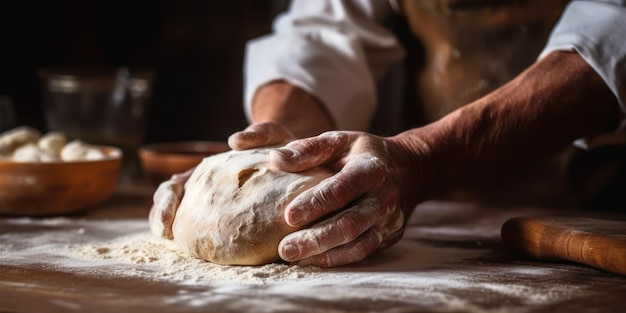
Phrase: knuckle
(316,204)
(329,196)
(368,169)
(306,151)
(333,136)
(340,191)
(350,226)
(349,184)
(377,168)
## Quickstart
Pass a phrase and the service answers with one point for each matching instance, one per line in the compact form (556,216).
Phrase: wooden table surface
(451,259)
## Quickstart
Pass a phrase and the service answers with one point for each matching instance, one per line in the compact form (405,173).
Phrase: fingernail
(285,152)
(294,218)
(290,252)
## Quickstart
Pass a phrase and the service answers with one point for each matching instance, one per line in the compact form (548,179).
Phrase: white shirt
(337,50)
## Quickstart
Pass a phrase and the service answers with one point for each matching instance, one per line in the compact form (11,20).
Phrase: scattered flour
(170,263)
(411,276)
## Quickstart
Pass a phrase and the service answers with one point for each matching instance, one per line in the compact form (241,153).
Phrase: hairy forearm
(555,101)
(284,104)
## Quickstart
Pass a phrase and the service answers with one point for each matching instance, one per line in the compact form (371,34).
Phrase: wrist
(282,103)
(544,109)
(415,153)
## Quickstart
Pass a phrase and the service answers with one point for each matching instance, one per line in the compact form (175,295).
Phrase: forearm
(554,102)
(284,104)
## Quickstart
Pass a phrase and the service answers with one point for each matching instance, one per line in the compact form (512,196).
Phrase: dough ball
(77,150)
(52,143)
(232,211)
(94,153)
(32,153)
(17,137)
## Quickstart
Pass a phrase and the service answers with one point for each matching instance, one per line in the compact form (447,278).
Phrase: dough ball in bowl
(232,211)
(44,175)
(39,187)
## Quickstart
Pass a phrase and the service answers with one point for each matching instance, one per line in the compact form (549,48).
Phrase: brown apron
(468,48)
(472,47)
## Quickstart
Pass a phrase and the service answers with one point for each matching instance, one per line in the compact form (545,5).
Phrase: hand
(359,210)
(260,135)
(166,200)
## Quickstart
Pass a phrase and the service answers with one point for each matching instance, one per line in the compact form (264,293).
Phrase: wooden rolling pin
(593,242)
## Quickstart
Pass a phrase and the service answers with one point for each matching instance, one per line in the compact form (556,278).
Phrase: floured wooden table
(451,259)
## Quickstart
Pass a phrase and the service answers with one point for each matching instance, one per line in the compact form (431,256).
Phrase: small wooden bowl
(56,188)
(159,161)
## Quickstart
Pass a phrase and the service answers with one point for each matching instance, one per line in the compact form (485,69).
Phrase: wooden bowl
(159,161)
(56,188)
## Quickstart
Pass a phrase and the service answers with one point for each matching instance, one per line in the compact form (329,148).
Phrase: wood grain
(594,242)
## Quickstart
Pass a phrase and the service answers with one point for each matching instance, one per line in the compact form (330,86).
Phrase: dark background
(195,48)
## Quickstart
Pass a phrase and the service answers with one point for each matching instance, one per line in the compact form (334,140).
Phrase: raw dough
(17,137)
(52,143)
(233,206)
(77,150)
(26,144)
(32,153)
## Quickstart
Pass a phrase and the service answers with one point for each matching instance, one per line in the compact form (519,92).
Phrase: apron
(472,47)
(460,50)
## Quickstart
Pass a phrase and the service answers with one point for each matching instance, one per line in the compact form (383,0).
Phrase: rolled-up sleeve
(597,31)
(334,49)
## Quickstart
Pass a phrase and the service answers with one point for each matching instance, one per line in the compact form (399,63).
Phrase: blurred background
(194,48)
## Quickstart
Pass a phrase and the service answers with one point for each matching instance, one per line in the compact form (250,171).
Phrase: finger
(306,153)
(166,200)
(353,252)
(182,178)
(166,190)
(360,175)
(336,231)
(160,220)
(259,135)
(392,229)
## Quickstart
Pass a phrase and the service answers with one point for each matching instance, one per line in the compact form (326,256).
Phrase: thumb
(259,135)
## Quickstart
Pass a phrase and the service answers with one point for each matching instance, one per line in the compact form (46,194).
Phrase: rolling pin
(593,242)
